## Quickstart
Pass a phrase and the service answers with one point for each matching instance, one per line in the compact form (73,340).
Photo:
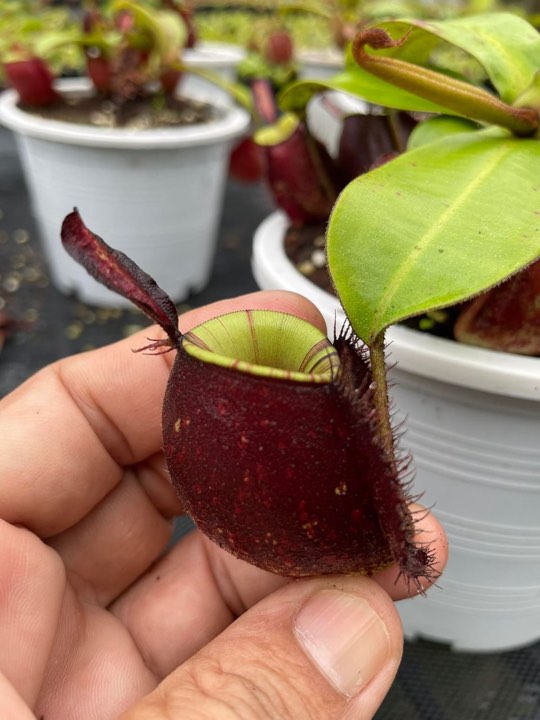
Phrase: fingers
(72,427)
(188,598)
(11,703)
(32,583)
(430,533)
(94,670)
(323,649)
(198,589)
(279,300)
(111,547)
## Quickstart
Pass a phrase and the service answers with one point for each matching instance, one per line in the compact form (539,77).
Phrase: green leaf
(165,26)
(355,81)
(530,97)
(49,42)
(240,93)
(507,46)
(438,127)
(434,227)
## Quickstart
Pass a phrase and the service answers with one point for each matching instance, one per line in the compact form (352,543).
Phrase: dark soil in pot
(142,113)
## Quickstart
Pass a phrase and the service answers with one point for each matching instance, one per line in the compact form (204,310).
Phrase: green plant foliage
(165,27)
(240,26)
(356,81)
(506,46)
(42,29)
(434,227)
(438,127)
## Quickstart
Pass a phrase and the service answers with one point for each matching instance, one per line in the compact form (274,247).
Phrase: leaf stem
(456,95)
(395,131)
(264,101)
(380,396)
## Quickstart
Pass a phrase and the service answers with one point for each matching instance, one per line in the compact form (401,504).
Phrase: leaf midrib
(426,240)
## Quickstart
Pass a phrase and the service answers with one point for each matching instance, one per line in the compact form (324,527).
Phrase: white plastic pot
(219,59)
(154,194)
(316,64)
(472,420)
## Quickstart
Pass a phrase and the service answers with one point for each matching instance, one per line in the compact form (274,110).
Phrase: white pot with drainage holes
(472,424)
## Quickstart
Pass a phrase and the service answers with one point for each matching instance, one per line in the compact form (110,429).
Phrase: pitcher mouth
(290,349)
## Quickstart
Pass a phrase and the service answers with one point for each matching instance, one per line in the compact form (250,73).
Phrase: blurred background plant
(32,23)
(121,45)
(278,33)
(272,31)
(321,23)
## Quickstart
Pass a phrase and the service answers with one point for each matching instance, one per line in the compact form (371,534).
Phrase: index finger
(203,588)
(69,432)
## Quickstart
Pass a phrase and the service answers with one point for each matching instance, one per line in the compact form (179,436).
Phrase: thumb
(319,648)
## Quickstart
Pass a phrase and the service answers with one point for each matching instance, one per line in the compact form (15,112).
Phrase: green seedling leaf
(434,227)
(505,45)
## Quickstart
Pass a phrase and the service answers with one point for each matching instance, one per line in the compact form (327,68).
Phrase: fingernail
(345,638)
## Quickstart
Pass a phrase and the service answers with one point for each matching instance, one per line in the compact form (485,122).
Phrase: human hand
(96,620)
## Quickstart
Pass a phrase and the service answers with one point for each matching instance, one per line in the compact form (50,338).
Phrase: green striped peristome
(265,343)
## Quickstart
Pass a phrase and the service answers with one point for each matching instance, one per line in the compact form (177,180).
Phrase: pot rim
(331,58)
(415,352)
(210,55)
(232,124)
